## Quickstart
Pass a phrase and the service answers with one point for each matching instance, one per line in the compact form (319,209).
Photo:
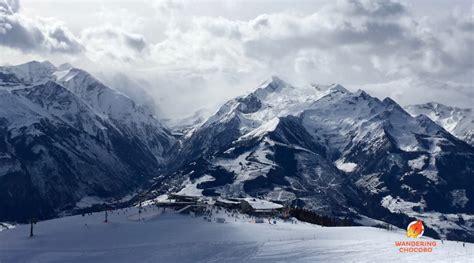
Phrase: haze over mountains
(65,136)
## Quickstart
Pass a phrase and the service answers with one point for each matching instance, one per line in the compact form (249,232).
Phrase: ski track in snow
(171,237)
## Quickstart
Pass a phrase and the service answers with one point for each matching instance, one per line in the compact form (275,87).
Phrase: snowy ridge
(107,104)
(299,143)
(262,130)
(274,98)
(28,74)
(458,121)
(321,147)
(65,136)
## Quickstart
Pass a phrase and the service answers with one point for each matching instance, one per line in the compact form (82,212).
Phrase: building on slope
(260,207)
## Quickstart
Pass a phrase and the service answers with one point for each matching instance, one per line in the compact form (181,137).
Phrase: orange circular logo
(415,229)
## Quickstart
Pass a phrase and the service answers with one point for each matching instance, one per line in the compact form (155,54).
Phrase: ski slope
(155,236)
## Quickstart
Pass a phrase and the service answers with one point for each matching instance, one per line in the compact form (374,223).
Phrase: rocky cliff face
(64,136)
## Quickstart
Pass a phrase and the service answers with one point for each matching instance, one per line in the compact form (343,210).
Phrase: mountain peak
(34,64)
(388,101)
(32,72)
(274,83)
(435,105)
(458,121)
(361,93)
(338,88)
(275,79)
(329,88)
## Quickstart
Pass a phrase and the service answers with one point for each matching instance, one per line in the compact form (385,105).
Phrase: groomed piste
(157,236)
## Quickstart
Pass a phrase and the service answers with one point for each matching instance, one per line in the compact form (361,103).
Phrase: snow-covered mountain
(458,121)
(333,151)
(64,135)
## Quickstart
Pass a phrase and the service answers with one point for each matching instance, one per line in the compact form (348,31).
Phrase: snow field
(170,237)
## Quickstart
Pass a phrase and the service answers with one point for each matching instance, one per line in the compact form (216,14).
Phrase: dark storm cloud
(27,35)
(377,8)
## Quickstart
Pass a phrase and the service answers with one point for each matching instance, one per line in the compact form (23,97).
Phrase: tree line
(314,218)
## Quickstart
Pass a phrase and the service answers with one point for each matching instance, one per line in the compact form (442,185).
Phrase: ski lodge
(259,207)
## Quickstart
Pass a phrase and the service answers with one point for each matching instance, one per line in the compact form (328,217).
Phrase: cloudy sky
(186,55)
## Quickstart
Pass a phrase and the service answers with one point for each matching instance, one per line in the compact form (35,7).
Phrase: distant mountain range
(65,136)
(333,151)
(458,121)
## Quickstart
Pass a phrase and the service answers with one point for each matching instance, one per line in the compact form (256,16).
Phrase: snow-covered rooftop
(259,204)
(227,201)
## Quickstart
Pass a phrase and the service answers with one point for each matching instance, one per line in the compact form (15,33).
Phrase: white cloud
(168,6)
(414,90)
(111,43)
(200,60)
(380,36)
(29,35)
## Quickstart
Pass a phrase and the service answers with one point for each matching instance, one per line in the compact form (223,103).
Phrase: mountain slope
(458,121)
(394,155)
(330,150)
(65,136)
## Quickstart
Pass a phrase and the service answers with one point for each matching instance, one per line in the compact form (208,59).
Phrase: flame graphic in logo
(415,229)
